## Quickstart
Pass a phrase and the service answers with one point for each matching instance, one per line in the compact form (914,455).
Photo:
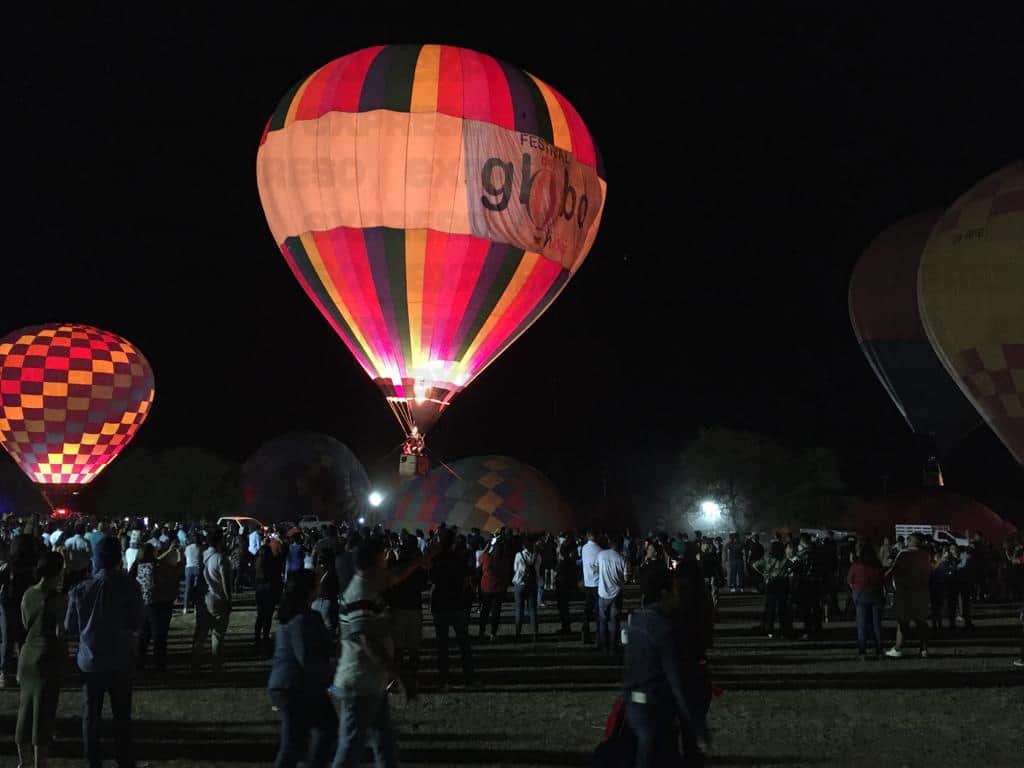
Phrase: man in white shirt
(213,612)
(78,556)
(611,568)
(589,555)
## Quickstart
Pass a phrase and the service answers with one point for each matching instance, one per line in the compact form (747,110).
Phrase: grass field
(787,703)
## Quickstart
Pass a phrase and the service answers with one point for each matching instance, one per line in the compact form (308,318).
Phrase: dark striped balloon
(433,202)
(885,317)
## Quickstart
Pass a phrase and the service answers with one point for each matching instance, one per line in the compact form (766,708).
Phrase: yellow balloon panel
(971,295)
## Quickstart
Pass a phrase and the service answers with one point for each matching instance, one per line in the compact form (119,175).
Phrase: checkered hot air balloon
(886,320)
(971,297)
(71,398)
(485,492)
(433,202)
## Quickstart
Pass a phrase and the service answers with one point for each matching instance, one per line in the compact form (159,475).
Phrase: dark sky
(750,155)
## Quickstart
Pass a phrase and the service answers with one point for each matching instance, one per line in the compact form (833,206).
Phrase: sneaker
(1018,662)
(924,654)
(894,653)
(771,636)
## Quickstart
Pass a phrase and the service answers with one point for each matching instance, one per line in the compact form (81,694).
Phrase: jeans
(365,717)
(526,599)
(564,597)
(309,730)
(192,575)
(490,608)
(776,603)
(589,608)
(869,616)
(735,574)
(608,610)
(156,623)
(95,686)
(214,626)
(809,598)
(458,621)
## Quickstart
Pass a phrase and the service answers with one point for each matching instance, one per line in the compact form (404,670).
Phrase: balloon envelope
(971,296)
(304,473)
(932,506)
(885,317)
(71,398)
(485,492)
(432,202)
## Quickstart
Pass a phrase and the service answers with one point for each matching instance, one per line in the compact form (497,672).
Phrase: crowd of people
(348,604)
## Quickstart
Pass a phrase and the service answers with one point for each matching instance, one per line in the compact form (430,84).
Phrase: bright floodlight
(711,510)
(362,520)
(375,499)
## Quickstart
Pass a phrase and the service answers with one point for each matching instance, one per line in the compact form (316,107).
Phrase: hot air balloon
(433,202)
(971,297)
(485,492)
(71,398)
(304,473)
(887,323)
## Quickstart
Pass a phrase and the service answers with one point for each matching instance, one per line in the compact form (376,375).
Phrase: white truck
(941,533)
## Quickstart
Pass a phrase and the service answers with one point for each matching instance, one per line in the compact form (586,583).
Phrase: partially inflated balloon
(485,492)
(433,202)
(71,398)
(971,294)
(885,317)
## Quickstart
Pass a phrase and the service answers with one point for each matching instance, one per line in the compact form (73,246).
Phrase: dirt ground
(790,703)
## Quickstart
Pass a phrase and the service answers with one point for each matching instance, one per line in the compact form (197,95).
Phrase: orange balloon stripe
(426,80)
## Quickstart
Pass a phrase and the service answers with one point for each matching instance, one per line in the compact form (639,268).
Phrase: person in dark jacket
(105,612)
(300,675)
(16,576)
(267,572)
(451,577)
(566,584)
(661,687)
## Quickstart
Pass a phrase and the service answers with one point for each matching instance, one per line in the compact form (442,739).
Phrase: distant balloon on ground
(304,473)
(485,492)
(931,506)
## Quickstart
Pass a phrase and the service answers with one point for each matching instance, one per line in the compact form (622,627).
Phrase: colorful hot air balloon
(886,320)
(71,398)
(485,492)
(971,296)
(433,202)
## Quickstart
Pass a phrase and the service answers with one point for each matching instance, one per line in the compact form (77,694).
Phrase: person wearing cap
(105,612)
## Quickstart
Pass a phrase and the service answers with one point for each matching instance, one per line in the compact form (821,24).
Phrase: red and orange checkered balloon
(71,398)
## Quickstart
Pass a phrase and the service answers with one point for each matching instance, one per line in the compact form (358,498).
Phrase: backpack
(530,574)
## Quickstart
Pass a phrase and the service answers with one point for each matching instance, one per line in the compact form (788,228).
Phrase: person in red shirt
(495,577)
(866,579)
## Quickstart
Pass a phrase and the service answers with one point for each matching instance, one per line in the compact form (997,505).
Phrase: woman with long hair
(300,676)
(866,579)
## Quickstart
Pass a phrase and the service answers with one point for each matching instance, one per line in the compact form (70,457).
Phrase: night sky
(750,157)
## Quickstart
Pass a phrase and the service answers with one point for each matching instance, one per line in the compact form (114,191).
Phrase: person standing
(910,572)
(93,537)
(105,612)
(451,576)
(657,692)
(611,578)
(77,556)
(526,571)
(213,612)
(300,675)
(193,572)
(495,578)
(366,667)
(774,569)
(565,585)
(16,576)
(867,580)
(588,557)
(405,599)
(268,573)
(734,563)
(42,664)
